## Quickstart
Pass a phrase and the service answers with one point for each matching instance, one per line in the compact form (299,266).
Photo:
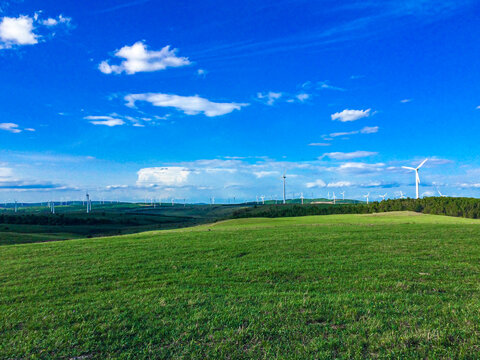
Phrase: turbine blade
(408,167)
(423,162)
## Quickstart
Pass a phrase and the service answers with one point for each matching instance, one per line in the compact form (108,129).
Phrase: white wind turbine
(417,178)
(343,195)
(263,199)
(366,196)
(383,196)
(439,193)
(402,195)
(301,197)
(334,198)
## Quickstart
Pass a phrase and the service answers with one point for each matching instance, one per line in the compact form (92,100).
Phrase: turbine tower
(334,198)
(301,197)
(343,195)
(417,178)
(284,177)
(263,199)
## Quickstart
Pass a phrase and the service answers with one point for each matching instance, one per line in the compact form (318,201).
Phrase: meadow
(390,285)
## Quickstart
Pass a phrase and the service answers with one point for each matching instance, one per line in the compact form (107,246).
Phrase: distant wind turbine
(343,195)
(301,197)
(439,193)
(334,198)
(382,196)
(417,178)
(402,195)
(263,199)
(366,196)
(284,177)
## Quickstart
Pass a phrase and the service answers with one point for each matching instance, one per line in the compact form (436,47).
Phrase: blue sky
(182,99)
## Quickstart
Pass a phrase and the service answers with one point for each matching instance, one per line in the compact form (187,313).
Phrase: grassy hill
(391,285)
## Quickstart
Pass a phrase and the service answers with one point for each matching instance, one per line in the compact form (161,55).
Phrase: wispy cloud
(139,59)
(348,155)
(104,120)
(190,105)
(11,127)
(270,97)
(319,144)
(404,101)
(365,130)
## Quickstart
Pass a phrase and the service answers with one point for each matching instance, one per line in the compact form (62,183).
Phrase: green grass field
(399,285)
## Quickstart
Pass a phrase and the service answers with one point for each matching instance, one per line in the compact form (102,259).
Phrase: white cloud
(478,107)
(303,96)
(105,120)
(10,127)
(202,72)
(369,130)
(56,21)
(172,175)
(337,134)
(5,173)
(365,130)
(190,105)
(17,31)
(340,184)
(30,129)
(269,97)
(348,155)
(327,86)
(319,144)
(360,168)
(139,59)
(404,101)
(261,174)
(351,115)
(316,184)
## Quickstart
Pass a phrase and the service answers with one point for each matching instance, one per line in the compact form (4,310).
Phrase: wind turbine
(402,196)
(439,193)
(366,196)
(334,198)
(417,178)
(343,195)
(284,177)
(263,199)
(383,196)
(301,197)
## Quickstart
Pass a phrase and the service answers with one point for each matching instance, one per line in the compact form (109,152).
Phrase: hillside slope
(346,286)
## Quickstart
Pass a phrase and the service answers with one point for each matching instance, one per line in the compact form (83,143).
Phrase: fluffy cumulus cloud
(349,155)
(17,31)
(351,115)
(137,58)
(23,30)
(316,184)
(170,176)
(105,120)
(190,105)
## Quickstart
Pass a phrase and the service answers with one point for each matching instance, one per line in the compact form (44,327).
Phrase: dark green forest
(459,207)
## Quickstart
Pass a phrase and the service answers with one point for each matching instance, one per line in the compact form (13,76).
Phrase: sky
(145,99)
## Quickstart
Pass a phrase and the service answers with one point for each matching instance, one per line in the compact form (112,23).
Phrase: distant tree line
(459,207)
(31,219)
